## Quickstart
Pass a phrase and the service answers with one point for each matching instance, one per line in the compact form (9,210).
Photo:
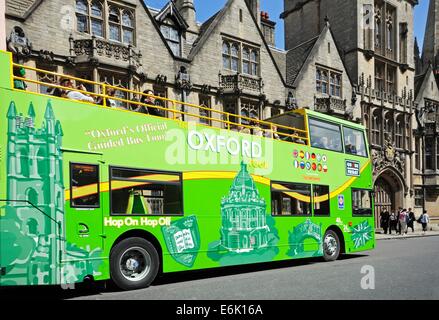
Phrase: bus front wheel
(134,263)
(331,246)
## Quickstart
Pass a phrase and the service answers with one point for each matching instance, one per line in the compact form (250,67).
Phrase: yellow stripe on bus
(201,175)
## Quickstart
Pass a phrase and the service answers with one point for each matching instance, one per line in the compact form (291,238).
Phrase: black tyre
(331,246)
(134,264)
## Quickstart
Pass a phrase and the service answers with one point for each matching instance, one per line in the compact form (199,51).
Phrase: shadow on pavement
(99,287)
(235,270)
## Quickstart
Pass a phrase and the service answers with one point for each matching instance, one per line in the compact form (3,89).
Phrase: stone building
(225,63)
(376,43)
(319,76)
(426,169)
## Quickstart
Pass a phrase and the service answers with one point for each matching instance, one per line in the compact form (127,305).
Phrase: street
(402,268)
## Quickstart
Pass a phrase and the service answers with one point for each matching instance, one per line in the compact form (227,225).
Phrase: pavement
(379,235)
(395,269)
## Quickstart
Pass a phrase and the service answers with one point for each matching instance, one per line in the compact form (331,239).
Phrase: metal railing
(230,121)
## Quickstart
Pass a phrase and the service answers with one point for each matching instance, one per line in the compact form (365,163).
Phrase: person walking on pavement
(398,224)
(392,222)
(424,219)
(384,220)
(411,220)
(403,222)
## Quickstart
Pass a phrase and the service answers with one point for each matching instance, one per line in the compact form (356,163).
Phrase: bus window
(84,185)
(290,199)
(325,135)
(361,202)
(321,201)
(141,192)
(354,142)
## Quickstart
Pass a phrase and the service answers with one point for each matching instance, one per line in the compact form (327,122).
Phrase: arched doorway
(389,192)
(384,199)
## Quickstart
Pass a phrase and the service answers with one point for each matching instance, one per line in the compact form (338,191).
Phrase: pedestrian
(384,220)
(398,224)
(403,222)
(424,219)
(411,220)
(392,222)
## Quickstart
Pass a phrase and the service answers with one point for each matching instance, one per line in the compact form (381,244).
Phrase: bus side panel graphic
(247,231)
(32,220)
(227,215)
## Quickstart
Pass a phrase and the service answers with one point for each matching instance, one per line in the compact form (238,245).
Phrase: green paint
(226,204)
(362,234)
(245,231)
(302,232)
(33,240)
(183,240)
(243,215)
(6,67)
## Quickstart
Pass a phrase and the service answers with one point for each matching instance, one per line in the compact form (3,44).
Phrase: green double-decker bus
(89,191)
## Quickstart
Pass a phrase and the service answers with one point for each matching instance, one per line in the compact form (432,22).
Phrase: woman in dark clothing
(384,220)
(151,101)
(411,219)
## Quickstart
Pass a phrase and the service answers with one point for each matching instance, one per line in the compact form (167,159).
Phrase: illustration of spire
(31,111)
(35,174)
(244,225)
(12,118)
(49,117)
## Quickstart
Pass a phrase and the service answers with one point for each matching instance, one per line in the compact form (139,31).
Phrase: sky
(207,8)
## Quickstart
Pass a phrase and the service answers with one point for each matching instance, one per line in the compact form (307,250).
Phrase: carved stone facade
(230,63)
(387,157)
(128,44)
(379,61)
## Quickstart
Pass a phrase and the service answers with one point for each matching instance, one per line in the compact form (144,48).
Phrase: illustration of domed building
(244,226)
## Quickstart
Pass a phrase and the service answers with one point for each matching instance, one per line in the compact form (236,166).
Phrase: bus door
(84,210)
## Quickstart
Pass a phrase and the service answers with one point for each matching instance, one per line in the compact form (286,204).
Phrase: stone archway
(389,190)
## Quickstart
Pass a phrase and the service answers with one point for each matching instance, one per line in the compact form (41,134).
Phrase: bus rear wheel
(331,246)
(134,264)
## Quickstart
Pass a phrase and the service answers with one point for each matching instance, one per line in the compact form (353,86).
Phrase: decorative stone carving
(388,157)
(96,48)
(236,83)
(291,102)
(206,89)
(161,79)
(46,56)
(19,44)
(183,80)
(330,105)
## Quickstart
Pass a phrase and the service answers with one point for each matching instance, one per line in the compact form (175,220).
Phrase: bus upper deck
(301,126)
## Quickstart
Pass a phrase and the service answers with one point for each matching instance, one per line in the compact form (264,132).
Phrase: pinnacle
(12,111)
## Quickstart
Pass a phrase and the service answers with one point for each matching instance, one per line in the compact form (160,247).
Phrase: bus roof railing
(224,118)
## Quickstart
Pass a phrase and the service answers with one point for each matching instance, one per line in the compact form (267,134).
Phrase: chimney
(255,8)
(187,10)
(268,28)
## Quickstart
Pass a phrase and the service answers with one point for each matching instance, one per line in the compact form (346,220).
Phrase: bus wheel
(331,246)
(134,263)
